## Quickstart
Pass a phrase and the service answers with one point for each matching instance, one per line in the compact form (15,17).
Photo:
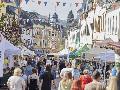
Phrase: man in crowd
(68,68)
(95,84)
(28,69)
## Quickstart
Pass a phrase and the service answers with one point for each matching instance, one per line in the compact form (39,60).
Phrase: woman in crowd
(53,70)
(47,78)
(76,72)
(112,83)
(76,85)
(33,80)
(16,82)
(85,79)
(66,82)
(95,84)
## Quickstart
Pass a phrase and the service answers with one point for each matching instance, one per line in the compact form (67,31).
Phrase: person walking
(85,79)
(16,82)
(33,80)
(112,83)
(28,69)
(76,72)
(76,85)
(68,68)
(47,78)
(66,82)
(95,84)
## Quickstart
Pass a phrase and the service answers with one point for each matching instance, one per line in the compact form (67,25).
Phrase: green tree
(70,17)
(55,17)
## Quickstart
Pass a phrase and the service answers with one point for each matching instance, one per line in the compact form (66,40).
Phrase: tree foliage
(70,17)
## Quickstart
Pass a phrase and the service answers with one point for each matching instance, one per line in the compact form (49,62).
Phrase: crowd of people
(28,74)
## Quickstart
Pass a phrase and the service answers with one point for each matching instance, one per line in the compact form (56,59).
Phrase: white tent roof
(108,56)
(11,49)
(102,53)
(64,52)
(53,54)
(25,51)
(97,50)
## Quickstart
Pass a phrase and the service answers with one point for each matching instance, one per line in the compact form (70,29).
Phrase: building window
(108,25)
(49,33)
(113,26)
(40,44)
(105,23)
(46,44)
(52,34)
(116,26)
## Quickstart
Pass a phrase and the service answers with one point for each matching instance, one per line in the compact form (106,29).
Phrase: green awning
(80,51)
(77,53)
(72,54)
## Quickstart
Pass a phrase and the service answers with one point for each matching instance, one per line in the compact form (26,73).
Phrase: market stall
(64,52)
(25,51)
(6,50)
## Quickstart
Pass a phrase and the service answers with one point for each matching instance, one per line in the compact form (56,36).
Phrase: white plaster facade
(26,36)
(72,39)
(84,38)
(99,16)
(113,25)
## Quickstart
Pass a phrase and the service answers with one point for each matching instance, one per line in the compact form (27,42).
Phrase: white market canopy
(55,54)
(64,52)
(25,51)
(10,49)
(108,56)
(101,53)
(6,49)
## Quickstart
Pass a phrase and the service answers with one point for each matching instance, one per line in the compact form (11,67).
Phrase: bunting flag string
(45,3)
(39,2)
(76,4)
(18,2)
(26,1)
(33,1)
(64,4)
(58,3)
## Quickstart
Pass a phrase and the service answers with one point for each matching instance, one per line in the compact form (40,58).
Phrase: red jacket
(85,79)
(76,85)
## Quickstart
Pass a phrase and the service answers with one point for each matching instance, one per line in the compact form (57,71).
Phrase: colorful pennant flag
(45,3)
(18,2)
(26,1)
(76,4)
(39,2)
(58,3)
(64,4)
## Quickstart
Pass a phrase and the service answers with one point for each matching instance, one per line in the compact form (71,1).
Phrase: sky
(51,7)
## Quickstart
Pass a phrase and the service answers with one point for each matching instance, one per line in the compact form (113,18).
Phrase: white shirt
(65,70)
(16,83)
